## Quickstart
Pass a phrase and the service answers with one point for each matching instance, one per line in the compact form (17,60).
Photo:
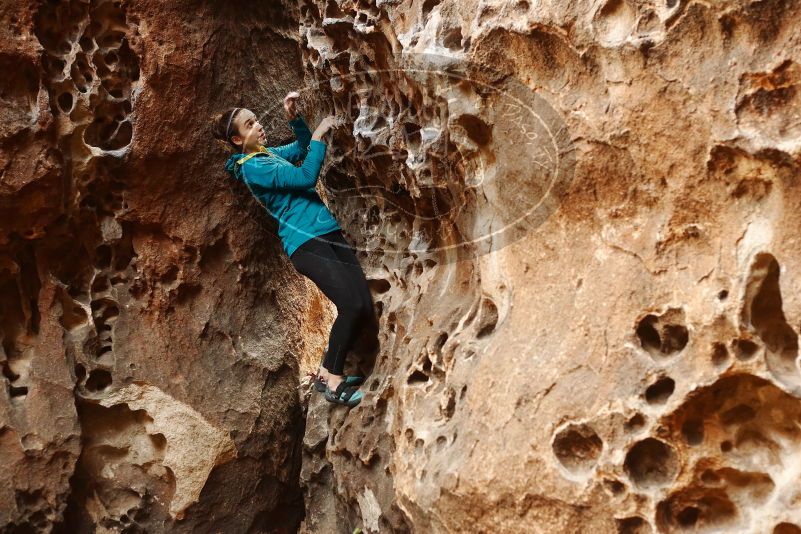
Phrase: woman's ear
(237,139)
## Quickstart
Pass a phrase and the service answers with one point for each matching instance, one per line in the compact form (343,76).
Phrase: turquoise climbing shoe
(344,394)
(349,380)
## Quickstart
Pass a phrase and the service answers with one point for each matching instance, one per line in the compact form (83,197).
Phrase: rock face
(152,331)
(625,359)
(579,221)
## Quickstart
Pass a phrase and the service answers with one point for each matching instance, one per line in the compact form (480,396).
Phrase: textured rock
(580,224)
(152,331)
(626,359)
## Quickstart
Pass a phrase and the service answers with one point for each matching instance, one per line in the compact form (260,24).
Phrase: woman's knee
(357,309)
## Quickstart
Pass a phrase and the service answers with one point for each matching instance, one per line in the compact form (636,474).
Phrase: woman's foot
(344,394)
(325,378)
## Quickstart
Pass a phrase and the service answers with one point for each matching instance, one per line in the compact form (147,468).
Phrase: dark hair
(223,128)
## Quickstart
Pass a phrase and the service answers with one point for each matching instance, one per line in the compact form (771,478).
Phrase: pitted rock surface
(579,223)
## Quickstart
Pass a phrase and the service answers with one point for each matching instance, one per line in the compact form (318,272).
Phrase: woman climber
(308,231)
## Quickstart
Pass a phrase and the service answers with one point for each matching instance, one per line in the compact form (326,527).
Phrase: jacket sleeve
(296,150)
(266,172)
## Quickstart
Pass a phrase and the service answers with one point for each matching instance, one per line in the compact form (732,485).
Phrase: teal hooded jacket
(286,191)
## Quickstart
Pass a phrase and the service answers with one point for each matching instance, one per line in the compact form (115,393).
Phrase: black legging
(329,262)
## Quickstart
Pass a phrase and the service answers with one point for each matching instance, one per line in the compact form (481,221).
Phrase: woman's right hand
(325,125)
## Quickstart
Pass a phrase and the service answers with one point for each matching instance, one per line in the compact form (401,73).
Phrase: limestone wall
(625,357)
(579,221)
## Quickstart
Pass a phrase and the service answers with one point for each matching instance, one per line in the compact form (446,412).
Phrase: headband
(228,128)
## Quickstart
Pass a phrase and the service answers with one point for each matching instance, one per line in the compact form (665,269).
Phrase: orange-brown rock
(151,328)
(580,225)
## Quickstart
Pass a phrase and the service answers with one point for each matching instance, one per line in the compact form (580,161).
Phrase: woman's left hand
(289,105)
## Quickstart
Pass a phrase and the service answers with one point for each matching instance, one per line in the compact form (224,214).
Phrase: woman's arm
(296,150)
(266,172)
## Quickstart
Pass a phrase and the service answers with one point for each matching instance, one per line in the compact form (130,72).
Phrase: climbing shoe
(350,380)
(344,394)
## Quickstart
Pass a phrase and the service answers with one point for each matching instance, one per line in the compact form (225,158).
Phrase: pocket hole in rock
(17,391)
(693,431)
(80,372)
(786,528)
(614,487)
(663,335)
(379,285)
(660,391)
(744,349)
(651,463)
(719,353)
(65,101)
(99,379)
(488,318)
(635,422)
(633,525)
(577,447)
(417,377)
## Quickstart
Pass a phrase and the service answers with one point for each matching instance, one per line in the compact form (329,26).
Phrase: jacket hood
(231,167)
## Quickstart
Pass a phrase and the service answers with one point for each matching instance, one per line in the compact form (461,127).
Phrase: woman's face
(250,132)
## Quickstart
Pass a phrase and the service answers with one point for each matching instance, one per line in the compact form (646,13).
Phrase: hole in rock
(428,5)
(452,39)
(635,422)
(442,338)
(417,377)
(786,528)
(170,275)
(476,129)
(159,440)
(651,463)
(615,20)
(614,487)
(379,285)
(100,284)
(99,379)
(663,335)
(710,478)
(723,294)
(577,447)
(726,446)
(633,525)
(744,349)
(488,318)
(763,311)
(693,431)
(695,509)
(103,257)
(87,43)
(719,353)
(660,391)
(17,391)
(80,372)
(65,102)
(689,516)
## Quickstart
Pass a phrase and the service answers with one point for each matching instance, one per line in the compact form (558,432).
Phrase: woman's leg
(317,260)
(346,254)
